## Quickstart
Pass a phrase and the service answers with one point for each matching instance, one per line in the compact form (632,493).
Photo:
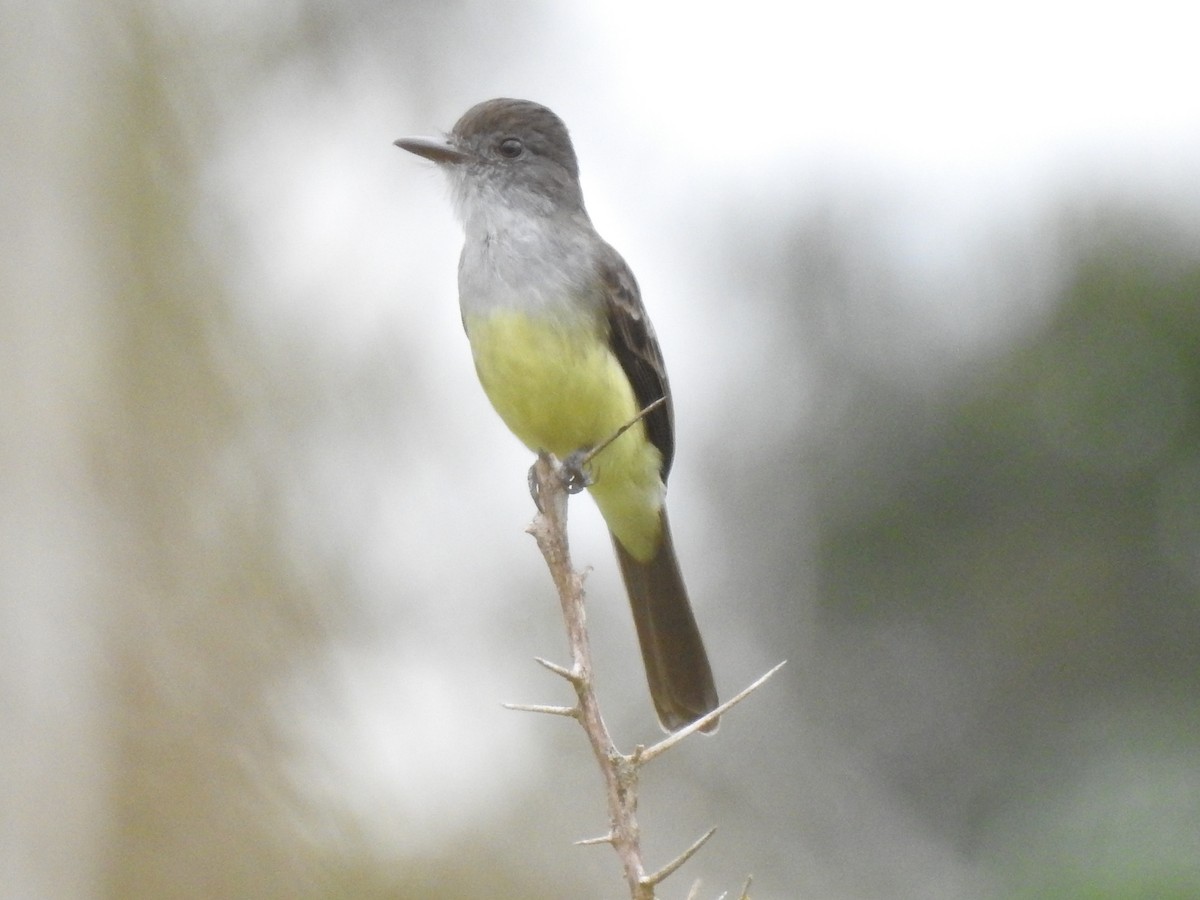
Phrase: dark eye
(511,148)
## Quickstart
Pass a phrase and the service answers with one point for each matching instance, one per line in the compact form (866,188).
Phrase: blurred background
(927,279)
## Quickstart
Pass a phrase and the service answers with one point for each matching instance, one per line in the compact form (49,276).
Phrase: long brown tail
(677,669)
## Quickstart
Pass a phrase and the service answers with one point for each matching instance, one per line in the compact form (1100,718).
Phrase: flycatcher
(566,354)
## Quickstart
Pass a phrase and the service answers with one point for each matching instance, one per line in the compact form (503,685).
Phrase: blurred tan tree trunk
(54,748)
(139,741)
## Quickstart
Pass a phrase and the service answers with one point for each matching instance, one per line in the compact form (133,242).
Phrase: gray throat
(517,258)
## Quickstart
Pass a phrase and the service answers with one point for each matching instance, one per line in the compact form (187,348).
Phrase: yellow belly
(561,389)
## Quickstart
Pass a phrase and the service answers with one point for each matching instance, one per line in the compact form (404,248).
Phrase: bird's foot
(535,487)
(574,477)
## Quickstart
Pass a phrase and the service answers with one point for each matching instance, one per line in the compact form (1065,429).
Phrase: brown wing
(632,340)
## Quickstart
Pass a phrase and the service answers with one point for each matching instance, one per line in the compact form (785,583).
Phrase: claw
(575,477)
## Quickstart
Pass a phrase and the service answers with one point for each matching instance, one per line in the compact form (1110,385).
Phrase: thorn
(591,842)
(672,739)
(649,408)
(665,871)
(570,712)
(561,671)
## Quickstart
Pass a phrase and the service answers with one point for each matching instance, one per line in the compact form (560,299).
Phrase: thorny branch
(550,487)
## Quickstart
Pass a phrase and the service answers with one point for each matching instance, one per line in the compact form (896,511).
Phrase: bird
(566,353)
